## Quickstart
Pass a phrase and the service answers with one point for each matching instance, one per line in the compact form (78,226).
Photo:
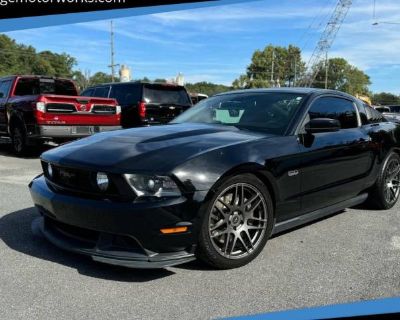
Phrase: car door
(5,86)
(334,164)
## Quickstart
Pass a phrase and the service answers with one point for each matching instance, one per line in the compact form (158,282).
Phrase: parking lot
(351,256)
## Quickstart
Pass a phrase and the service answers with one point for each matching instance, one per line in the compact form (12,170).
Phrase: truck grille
(60,108)
(103,109)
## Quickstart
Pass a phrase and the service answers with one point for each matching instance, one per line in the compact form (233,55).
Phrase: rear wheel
(237,223)
(386,191)
(18,140)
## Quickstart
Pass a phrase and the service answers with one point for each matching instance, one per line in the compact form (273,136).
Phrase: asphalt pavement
(350,256)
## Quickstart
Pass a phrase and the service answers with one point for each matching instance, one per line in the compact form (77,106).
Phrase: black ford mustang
(219,180)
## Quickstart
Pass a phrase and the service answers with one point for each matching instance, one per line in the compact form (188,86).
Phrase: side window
(126,94)
(87,92)
(373,115)
(101,92)
(4,88)
(335,108)
(361,106)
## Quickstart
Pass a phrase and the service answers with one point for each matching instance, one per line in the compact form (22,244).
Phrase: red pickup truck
(35,109)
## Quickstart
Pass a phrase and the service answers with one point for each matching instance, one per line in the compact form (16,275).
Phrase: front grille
(81,182)
(60,108)
(103,109)
(106,241)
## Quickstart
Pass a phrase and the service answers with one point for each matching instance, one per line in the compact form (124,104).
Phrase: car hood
(150,149)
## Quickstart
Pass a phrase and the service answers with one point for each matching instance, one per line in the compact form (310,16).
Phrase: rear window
(35,86)
(126,94)
(164,94)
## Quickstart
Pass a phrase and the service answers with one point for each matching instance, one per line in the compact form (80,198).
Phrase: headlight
(118,109)
(102,181)
(41,106)
(152,186)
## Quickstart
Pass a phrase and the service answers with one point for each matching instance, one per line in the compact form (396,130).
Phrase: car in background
(390,112)
(144,103)
(218,180)
(35,109)
(382,109)
(197,97)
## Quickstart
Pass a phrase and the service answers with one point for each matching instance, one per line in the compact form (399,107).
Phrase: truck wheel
(18,139)
(386,191)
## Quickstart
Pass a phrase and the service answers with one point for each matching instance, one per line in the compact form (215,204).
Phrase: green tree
(21,59)
(385,98)
(343,76)
(207,88)
(281,64)
(99,78)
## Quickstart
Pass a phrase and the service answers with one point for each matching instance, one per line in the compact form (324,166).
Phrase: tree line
(271,66)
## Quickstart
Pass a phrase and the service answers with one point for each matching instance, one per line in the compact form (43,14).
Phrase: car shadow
(16,233)
(34,152)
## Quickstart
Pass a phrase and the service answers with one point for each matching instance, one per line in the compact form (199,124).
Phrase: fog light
(102,181)
(50,170)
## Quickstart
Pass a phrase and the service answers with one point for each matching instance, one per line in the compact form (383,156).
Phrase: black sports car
(219,180)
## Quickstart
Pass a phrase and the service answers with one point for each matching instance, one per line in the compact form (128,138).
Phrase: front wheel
(386,191)
(237,222)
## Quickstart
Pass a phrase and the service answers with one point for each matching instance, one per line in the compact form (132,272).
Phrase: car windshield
(269,112)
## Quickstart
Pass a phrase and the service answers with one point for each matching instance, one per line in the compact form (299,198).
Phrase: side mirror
(320,125)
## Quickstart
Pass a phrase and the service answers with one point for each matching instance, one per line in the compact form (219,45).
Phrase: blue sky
(216,43)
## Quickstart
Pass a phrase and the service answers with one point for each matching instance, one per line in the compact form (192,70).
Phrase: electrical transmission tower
(325,42)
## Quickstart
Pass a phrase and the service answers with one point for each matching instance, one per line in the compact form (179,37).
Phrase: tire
(385,193)
(18,140)
(237,222)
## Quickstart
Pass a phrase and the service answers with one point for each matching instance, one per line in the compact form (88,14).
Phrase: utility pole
(272,68)
(326,70)
(112,65)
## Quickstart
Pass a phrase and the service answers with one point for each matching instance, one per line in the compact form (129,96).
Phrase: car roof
(298,90)
(33,76)
(135,82)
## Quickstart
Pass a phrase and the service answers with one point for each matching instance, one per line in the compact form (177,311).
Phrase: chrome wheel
(238,221)
(392,181)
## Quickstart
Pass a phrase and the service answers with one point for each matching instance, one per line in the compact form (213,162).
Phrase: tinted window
(395,109)
(35,86)
(4,88)
(373,115)
(335,108)
(166,94)
(268,112)
(101,92)
(126,94)
(362,111)
(88,93)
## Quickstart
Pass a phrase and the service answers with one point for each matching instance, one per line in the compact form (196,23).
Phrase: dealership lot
(351,256)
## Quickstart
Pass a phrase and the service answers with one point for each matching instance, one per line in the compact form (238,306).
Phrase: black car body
(144,103)
(305,153)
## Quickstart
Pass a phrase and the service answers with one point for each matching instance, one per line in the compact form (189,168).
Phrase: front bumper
(119,233)
(73,131)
